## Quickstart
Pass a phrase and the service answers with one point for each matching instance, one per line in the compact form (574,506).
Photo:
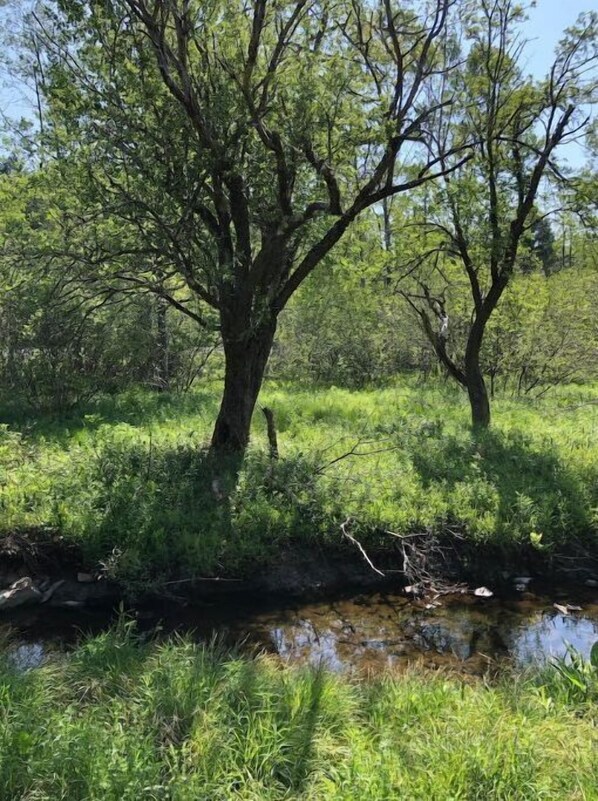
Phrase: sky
(543,29)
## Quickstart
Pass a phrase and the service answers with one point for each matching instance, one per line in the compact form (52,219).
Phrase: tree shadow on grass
(178,511)
(163,511)
(537,490)
(305,726)
(139,408)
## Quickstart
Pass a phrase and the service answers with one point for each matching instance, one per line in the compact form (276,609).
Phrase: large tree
(217,150)
(480,216)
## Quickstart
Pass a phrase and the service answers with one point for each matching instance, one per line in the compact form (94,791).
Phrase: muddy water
(360,633)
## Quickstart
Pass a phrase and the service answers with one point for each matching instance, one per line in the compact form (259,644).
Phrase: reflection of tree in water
(349,634)
(549,634)
(461,632)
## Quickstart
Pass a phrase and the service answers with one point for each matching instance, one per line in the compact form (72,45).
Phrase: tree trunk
(474,379)
(162,346)
(492,383)
(478,399)
(245,359)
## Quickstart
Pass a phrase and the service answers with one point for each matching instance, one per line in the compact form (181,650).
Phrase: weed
(130,475)
(124,719)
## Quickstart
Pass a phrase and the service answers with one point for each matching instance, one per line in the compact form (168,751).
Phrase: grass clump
(128,476)
(121,719)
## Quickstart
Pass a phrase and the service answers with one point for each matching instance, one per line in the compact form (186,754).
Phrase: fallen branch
(198,578)
(428,559)
(353,451)
(352,539)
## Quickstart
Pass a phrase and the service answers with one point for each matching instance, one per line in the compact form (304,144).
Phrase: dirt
(46,557)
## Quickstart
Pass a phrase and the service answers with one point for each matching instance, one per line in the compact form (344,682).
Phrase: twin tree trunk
(245,359)
(246,356)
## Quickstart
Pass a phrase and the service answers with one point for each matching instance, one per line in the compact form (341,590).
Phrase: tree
(217,151)
(543,244)
(480,215)
(344,326)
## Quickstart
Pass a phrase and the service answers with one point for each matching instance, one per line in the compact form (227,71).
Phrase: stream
(362,632)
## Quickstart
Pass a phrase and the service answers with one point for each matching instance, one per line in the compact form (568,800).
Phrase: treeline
(330,191)
(348,326)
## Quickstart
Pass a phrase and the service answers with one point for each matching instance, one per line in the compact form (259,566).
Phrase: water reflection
(363,633)
(391,632)
(547,635)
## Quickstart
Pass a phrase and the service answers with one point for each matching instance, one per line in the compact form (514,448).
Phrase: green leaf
(536,539)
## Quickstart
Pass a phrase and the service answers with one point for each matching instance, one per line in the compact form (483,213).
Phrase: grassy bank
(121,720)
(127,476)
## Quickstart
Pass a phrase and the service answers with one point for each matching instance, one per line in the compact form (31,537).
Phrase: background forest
(350,326)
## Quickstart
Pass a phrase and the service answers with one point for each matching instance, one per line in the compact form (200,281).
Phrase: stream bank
(43,567)
(309,608)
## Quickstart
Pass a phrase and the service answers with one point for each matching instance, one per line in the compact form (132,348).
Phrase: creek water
(362,632)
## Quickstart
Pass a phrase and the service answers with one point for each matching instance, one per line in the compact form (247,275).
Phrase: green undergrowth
(125,720)
(128,477)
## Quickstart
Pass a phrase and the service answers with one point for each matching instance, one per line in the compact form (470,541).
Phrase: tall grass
(131,721)
(128,474)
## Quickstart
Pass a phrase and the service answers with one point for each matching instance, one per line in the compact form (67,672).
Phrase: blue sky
(544,28)
(546,23)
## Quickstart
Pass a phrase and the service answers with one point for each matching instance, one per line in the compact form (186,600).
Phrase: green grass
(129,721)
(129,473)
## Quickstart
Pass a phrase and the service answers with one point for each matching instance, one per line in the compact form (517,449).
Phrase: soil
(47,557)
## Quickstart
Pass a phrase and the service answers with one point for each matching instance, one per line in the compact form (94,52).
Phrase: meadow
(128,479)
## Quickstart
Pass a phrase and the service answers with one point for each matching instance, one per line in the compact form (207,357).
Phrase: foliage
(346,326)
(545,332)
(349,327)
(202,161)
(119,719)
(128,473)
(575,679)
(62,341)
(476,226)
(140,188)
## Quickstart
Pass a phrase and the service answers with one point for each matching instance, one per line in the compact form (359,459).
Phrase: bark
(245,358)
(271,428)
(162,346)
(474,379)
(478,399)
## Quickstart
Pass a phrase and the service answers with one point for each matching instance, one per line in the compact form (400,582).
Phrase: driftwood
(24,591)
(351,538)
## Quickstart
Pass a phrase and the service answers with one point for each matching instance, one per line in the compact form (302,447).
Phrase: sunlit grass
(129,473)
(124,720)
